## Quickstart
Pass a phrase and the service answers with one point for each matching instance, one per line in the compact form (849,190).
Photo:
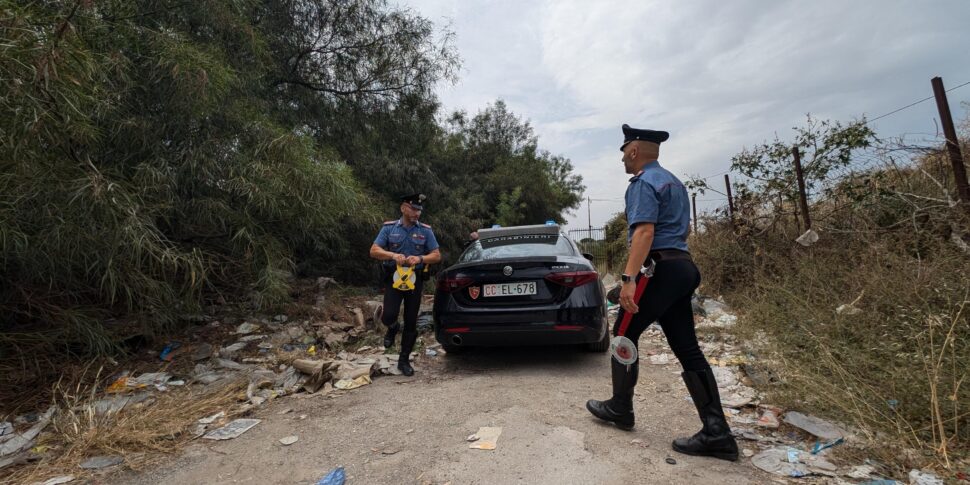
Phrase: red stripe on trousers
(628,316)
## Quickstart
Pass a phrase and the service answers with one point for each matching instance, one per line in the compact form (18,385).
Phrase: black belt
(668,255)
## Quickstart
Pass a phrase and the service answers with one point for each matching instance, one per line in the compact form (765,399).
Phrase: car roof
(551,229)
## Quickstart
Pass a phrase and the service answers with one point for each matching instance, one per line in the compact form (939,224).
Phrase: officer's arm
(639,247)
(380,253)
(433,257)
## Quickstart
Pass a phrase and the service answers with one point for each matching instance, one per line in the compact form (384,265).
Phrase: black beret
(416,200)
(633,134)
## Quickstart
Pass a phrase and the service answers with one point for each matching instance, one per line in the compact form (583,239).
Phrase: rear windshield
(517,246)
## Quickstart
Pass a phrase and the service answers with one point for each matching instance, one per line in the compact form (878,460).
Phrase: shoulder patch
(424,225)
(388,223)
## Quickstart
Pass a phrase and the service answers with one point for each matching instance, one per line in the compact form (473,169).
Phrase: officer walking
(405,247)
(657,211)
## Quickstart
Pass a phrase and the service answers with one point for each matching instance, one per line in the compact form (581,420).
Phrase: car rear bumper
(499,328)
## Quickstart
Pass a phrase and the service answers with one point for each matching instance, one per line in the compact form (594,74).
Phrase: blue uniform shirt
(656,196)
(418,240)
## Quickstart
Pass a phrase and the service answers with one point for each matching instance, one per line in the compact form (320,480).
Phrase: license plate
(510,289)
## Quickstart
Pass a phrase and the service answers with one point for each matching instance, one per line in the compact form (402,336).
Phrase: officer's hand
(413,260)
(626,298)
(399,259)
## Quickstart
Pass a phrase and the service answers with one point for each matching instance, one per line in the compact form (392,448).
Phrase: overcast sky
(717,75)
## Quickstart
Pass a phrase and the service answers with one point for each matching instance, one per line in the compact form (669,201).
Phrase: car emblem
(507,271)
(473,292)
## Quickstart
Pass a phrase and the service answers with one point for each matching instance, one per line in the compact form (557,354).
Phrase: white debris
(726,320)
(232,430)
(810,237)
(25,440)
(247,327)
(660,359)
(725,376)
(232,349)
(816,426)
(57,480)
(918,477)
(714,309)
(861,472)
(791,462)
(213,418)
(847,309)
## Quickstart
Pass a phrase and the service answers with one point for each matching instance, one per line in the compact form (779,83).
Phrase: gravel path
(414,430)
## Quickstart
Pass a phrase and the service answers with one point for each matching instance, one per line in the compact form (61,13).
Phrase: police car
(523,285)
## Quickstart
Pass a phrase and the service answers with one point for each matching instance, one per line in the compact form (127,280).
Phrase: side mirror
(588,256)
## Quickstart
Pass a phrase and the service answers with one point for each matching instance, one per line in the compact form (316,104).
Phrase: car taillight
(572,279)
(454,283)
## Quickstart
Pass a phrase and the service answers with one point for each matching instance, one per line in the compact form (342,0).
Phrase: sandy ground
(413,430)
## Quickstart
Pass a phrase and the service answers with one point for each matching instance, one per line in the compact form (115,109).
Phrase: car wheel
(603,345)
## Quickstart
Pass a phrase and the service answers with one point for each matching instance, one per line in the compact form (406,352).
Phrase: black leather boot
(407,345)
(618,409)
(714,439)
(391,333)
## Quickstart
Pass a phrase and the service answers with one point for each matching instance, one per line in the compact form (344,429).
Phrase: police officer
(403,246)
(657,211)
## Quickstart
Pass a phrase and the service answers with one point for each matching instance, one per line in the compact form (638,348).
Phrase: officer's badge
(473,292)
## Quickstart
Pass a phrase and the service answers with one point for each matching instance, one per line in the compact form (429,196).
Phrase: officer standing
(657,211)
(405,247)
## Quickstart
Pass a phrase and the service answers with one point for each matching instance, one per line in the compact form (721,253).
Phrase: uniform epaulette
(388,223)
(426,226)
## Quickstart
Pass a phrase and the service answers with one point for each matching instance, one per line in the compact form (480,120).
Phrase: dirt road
(414,430)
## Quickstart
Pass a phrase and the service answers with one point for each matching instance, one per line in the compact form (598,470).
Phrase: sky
(717,75)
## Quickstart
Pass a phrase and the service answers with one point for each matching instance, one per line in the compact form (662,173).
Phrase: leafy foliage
(155,153)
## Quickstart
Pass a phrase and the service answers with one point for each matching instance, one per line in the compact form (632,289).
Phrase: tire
(603,345)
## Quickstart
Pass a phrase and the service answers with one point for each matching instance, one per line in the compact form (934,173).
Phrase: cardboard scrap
(232,430)
(486,438)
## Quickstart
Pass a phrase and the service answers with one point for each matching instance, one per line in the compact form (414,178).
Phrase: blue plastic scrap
(164,355)
(819,446)
(335,477)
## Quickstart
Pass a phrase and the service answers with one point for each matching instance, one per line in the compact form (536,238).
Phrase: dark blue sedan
(524,285)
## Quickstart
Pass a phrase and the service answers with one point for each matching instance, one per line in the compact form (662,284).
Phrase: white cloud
(717,75)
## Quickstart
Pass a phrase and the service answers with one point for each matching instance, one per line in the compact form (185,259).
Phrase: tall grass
(894,361)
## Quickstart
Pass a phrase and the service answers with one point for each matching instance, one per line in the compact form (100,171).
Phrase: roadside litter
(56,480)
(791,462)
(15,443)
(98,462)
(486,438)
(232,430)
(815,426)
(335,477)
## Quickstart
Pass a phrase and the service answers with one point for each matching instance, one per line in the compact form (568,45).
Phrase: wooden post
(727,185)
(693,203)
(952,142)
(802,197)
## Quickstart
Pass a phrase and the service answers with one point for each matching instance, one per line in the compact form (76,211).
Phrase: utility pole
(727,185)
(802,198)
(589,218)
(952,143)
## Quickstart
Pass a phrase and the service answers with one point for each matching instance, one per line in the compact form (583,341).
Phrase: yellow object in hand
(404,278)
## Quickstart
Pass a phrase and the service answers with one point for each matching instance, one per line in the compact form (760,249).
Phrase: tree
(826,147)
(152,152)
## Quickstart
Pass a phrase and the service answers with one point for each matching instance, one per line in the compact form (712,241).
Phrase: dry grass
(140,433)
(896,370)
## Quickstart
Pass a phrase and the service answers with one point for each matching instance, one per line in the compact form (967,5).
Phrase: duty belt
(668,255)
